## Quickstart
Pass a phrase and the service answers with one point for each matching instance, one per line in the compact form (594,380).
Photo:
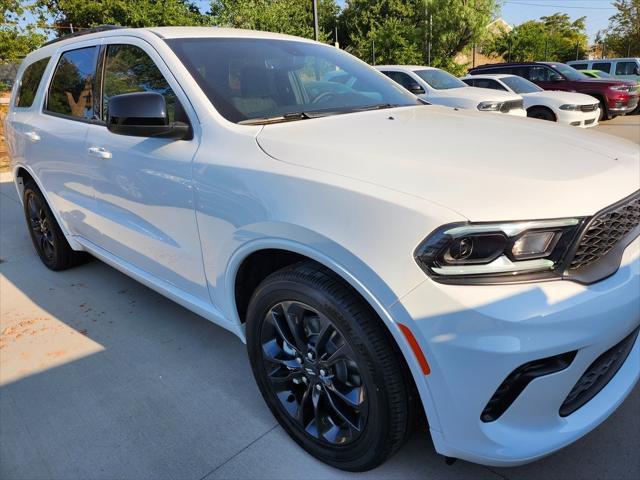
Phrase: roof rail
(86,31)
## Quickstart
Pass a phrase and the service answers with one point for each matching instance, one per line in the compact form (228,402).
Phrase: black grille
(598,375)
(511,105)
(605,231)
(589,108)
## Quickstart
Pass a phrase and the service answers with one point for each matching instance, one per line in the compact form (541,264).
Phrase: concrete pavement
(102,378)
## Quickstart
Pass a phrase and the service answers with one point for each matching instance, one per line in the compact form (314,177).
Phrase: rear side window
(602,66)
(30,82)
(71,91)
(401,78)
(128,69)
(580,66)
(626,68)
(488,83)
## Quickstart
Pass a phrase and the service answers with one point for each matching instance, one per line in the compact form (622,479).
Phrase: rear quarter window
(30,82)
(71,90)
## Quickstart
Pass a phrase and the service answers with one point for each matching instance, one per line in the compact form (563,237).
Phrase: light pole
(315,19)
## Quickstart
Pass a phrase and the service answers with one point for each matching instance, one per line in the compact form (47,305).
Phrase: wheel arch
(22,174)
(542,107)
(282,253)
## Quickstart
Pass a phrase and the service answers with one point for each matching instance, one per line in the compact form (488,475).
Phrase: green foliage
(138,13)
(293,17)
(623,37)
(401,30)
(16,42)
(553,38)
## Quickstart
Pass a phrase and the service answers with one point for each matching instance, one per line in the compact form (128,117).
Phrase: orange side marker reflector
(417,351)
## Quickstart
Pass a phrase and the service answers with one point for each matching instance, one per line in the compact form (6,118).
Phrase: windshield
(520,85)
(440,80)
(570,73)
(248,80)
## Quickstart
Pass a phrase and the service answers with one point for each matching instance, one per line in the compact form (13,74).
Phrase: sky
(518,11)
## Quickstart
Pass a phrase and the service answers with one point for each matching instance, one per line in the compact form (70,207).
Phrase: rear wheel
(327,368)
(47,237)
(541,114)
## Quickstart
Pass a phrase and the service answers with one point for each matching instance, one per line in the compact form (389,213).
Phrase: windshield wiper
(287,117)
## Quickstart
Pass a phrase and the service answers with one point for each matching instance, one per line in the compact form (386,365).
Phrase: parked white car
(441,88)
(569,108)
(377,255)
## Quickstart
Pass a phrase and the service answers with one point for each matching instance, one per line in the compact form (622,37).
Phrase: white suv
(379,256)
(438,87)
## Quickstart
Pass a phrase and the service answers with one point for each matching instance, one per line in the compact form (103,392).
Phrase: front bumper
(578,118)
(474,336)
(622,107)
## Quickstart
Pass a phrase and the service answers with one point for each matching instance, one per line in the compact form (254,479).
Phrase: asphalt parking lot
(102,378)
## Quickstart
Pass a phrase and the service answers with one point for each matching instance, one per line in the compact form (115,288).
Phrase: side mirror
(556,77)
(143,114)
(637,71)
(415,88)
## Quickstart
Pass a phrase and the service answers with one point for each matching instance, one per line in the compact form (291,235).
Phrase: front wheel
(541,114)
(327,368)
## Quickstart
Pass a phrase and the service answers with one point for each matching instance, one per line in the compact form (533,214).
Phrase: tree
(15,41)
(138,13)
(624,29)
(552,38)
(402,30)
(293,17)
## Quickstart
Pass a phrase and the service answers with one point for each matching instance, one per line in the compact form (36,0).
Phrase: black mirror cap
(557,78)
(144,114)
(416,89)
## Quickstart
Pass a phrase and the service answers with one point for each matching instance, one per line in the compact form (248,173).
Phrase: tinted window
(469,81)
(71,91)
(495,70)
(129,69)
(569,72)
(521,85)
(602,66)
(626,68)
(30,82)
(487,83)
(439,79)
(580,66)
(539,73)
(250,80)
(403,79)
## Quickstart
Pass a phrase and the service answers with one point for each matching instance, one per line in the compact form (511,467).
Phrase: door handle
(33,136)
(100,152)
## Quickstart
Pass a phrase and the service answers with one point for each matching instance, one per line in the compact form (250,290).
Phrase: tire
(47,237)
(604,112)
(343,351)
(541,114)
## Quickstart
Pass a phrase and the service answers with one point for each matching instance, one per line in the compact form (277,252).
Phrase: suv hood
(484,167)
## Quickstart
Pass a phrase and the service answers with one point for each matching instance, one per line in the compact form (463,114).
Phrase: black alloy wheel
(47,237)
(328,368)
(313,372)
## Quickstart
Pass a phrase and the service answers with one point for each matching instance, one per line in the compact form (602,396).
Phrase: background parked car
(625,68)
(575,109)
(617,97)
(441,88)
(605,75)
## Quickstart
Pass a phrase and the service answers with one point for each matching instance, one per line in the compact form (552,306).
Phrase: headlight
(570,107)
(497,252)
(489,106)
(620,88)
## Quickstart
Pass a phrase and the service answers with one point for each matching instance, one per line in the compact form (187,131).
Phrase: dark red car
(617,97)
